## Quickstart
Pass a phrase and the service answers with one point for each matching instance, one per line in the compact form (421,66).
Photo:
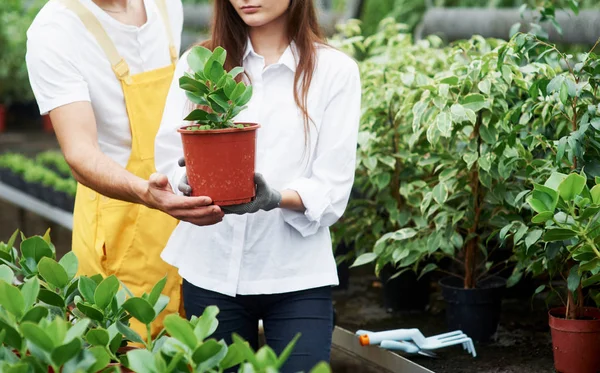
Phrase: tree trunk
(472,243)
(462,23)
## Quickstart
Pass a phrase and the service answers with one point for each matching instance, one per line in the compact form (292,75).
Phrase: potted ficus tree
(472,146)
(219,153)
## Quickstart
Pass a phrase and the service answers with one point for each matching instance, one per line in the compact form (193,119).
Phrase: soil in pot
(474,311)
(575,343)
(220,163)
(405,292)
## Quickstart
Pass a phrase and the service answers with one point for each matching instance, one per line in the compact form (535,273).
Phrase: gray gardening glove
(266,199)
(183,186)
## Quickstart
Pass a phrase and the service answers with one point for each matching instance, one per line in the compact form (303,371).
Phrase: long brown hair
(230,32)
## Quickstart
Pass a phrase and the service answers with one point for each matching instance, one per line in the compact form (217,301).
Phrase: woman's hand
(266,199)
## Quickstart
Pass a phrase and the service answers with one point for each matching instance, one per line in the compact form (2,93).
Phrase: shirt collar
(288,58)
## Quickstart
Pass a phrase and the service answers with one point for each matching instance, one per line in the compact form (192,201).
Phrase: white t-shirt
(67,65)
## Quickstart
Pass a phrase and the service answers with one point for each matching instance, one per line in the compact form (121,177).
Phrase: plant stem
(149,337)
(472,244)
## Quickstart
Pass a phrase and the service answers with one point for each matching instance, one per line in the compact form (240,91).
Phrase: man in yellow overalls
(102,70)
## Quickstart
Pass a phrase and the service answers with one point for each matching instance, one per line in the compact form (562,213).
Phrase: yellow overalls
(113,237)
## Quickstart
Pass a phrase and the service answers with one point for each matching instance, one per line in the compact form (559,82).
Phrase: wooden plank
(387,360)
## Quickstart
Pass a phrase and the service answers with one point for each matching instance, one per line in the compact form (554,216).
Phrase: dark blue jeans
(309,312)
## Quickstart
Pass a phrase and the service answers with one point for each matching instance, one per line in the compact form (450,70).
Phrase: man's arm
(75,128)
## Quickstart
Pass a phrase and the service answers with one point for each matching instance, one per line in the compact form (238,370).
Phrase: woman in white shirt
(272,259)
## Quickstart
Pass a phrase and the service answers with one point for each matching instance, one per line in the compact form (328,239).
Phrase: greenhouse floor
(522,344)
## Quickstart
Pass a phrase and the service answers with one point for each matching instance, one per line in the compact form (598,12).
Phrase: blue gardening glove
(266,199)
(183,186)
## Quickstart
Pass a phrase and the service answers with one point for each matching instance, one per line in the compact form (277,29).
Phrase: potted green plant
(219,153)
(568,220)
(389,63)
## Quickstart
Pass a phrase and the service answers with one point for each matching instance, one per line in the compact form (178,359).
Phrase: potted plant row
(38,181)
(52,320)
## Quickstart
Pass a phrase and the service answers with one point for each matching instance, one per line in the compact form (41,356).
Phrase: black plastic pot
(13,180)
(47,194)
(404,292)
(474,311)
(69,203)
(32,189)
(3,174)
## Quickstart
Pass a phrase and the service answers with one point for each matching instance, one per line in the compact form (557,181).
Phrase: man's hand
(195,210)
(266,199)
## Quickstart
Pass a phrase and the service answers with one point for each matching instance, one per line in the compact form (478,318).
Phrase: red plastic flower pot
(2,118)
(220,163)
(576,342)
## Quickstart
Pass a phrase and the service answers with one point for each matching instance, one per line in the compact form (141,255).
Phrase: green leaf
(36,248)
(53,272)
(98,337)
(554,180)
(197,115)
(192,85)
(141,360)
(90,311)
(207,324)
(236,71)
(129,333)
(364,259)
(12,300)
(30,291)
(198,57)
(245,97)
(196,99)
(66,352)
(239,90)
(443,123)
(595,192)
(287,351)
(70,264)
(533,237)
(87,288)
(6,274)
(77,330)
(428,268)
(161,304)
(574,279)
(101,357)
(219,104)
(35,314)
(181,330)
(558,234)
(540,289)
(37,336)
(470,159)
(451,80)
(571,187)
(564,94)
(209,354)
(474,101)
(12,337)
(440,193)
(322,367)
(156,291)
(514,279)
(234,357)
(542,199)
(215,73)
(140,309)
(106,291)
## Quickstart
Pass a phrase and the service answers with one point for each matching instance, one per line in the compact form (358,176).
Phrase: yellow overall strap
(119,65)
(162,9)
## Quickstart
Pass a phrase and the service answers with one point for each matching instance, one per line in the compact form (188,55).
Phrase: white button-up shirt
(281,250)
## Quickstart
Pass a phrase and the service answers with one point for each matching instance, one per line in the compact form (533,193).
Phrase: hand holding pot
(266,199)
(195,210)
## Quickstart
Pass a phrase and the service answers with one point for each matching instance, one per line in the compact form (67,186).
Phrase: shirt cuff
(315,200)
